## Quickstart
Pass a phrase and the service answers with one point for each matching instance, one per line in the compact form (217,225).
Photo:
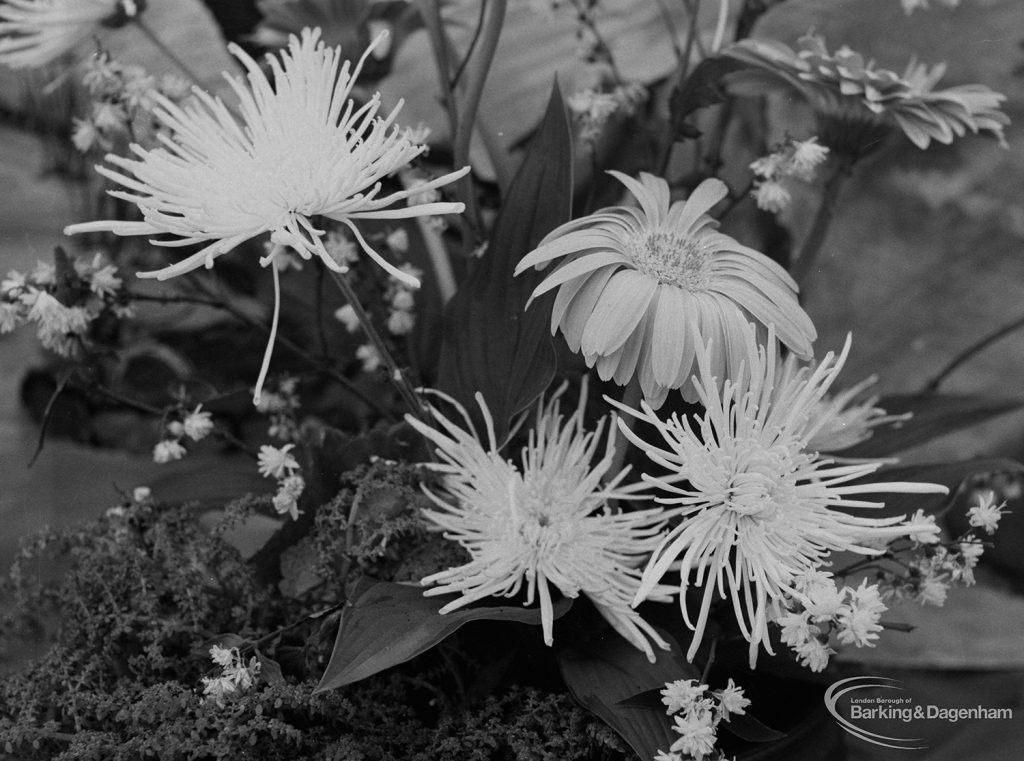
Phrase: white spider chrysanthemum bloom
(544,522)
(759,510)
(845,422)
(304,148)
(630,279)
(35,32)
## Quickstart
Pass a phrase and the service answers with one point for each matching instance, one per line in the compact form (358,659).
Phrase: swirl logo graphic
(899,709)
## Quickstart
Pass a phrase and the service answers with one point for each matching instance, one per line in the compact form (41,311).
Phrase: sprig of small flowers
(798,159)
(61,327)
(195,425)
(280,463)
(696,713)
(236,675)
(121,104)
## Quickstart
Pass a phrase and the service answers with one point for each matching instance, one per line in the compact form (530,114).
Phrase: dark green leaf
(609,678)
(702,88)
(492,343)
(746,727)
(934,415)
(270,670)
(393,623)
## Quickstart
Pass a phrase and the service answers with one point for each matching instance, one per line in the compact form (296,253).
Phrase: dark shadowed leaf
(949,474)
(492,343)
(610,677)
(270,670)
(702,88)
(392,623)
(934,415)
(746,727)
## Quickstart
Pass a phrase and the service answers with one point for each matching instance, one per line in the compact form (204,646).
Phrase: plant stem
(632,395)
(169,54)
(491,22)
(982,343)
(710,661)
(822,221)
(395,374)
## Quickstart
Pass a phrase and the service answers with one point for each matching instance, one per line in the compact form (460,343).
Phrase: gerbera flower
(758,508)
(632,279)
(35,32)
(544,522)
(858,100)
(303,149)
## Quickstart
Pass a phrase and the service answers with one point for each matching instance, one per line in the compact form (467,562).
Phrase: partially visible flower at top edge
(304,148)
(842,421)
(757,507)
(542,522)
(34,33)
(857,101)
(631,279)
(909,6)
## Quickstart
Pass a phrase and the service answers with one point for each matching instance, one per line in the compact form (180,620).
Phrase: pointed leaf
(608,679)
(746,727)
(702,88)
(393,623)
(949,474)
(270,670)
(934,415)
(492,343)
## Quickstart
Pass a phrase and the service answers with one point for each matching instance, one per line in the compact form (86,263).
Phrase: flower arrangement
(550,459)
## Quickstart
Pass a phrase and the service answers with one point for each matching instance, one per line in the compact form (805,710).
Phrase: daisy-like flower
(167,451)
(986,513)
(757,507)
(277,462)
(542,523)
(731,700)
(858,100)
(35,32)
(304,148)
(632,279)
(197,424)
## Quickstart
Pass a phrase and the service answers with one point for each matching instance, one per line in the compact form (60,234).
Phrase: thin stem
(684,71)
(395,374)
(444,276)
(269,351)
(982,343)
(476,75)
(300,351)
(166,51)
(710,661)
(632,395)
(822,221)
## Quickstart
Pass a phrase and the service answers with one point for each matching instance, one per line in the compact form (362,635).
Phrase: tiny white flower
(108,116)
(697,734)
(176,429)
(43,274)
(933,590)
(341,248)
(923,529)
(141,494)
(813,654)
(731,700)
(769,167)
(403,300)
(398,240)
(986,513)
(223,656)
(347,316)
(277,462)
(807,156)
(198,424)
(103,281)
(168,450)
(370,357)
(10,316)
(771,195)
(13,283)
(400,322)
(681,694)
(859,620)
(85,136)
(286,503)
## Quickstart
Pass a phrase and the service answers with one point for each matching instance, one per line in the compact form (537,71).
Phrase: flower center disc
(672,259)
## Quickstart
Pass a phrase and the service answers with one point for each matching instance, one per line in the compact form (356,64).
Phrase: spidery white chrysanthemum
(844,420)
(758,508)
(631,279)
(304,148)
(35,32)
(544,522)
